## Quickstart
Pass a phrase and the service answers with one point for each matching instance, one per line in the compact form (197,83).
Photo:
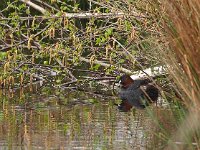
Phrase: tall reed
(182,26)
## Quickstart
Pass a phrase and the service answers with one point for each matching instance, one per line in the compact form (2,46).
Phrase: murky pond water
(73,120)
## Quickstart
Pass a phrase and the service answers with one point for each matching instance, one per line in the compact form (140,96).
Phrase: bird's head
(125,81)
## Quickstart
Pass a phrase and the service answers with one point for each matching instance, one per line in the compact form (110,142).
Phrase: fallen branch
(106,65)
(149,72)
(33,5)
(152,72)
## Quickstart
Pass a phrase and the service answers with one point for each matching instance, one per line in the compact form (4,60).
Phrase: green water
(71,119)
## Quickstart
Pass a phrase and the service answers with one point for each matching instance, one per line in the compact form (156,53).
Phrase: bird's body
(136,93)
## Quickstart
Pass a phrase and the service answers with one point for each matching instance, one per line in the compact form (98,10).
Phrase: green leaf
(96,67)
(128,25)
(108,32)
(2,55)
(27,11)
(103,39)
(98,40)
(46,62)
(121,61)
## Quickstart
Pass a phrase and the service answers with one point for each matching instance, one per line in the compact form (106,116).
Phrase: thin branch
(47,5)
(27,39)
(67,70)
(96,15)
(83,15)
(88,79)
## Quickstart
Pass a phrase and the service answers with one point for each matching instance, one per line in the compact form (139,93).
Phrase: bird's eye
(120,82)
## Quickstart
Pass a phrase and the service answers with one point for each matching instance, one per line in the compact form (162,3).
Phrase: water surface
(74,120)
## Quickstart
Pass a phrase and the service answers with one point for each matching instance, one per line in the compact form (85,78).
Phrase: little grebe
(138,93)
